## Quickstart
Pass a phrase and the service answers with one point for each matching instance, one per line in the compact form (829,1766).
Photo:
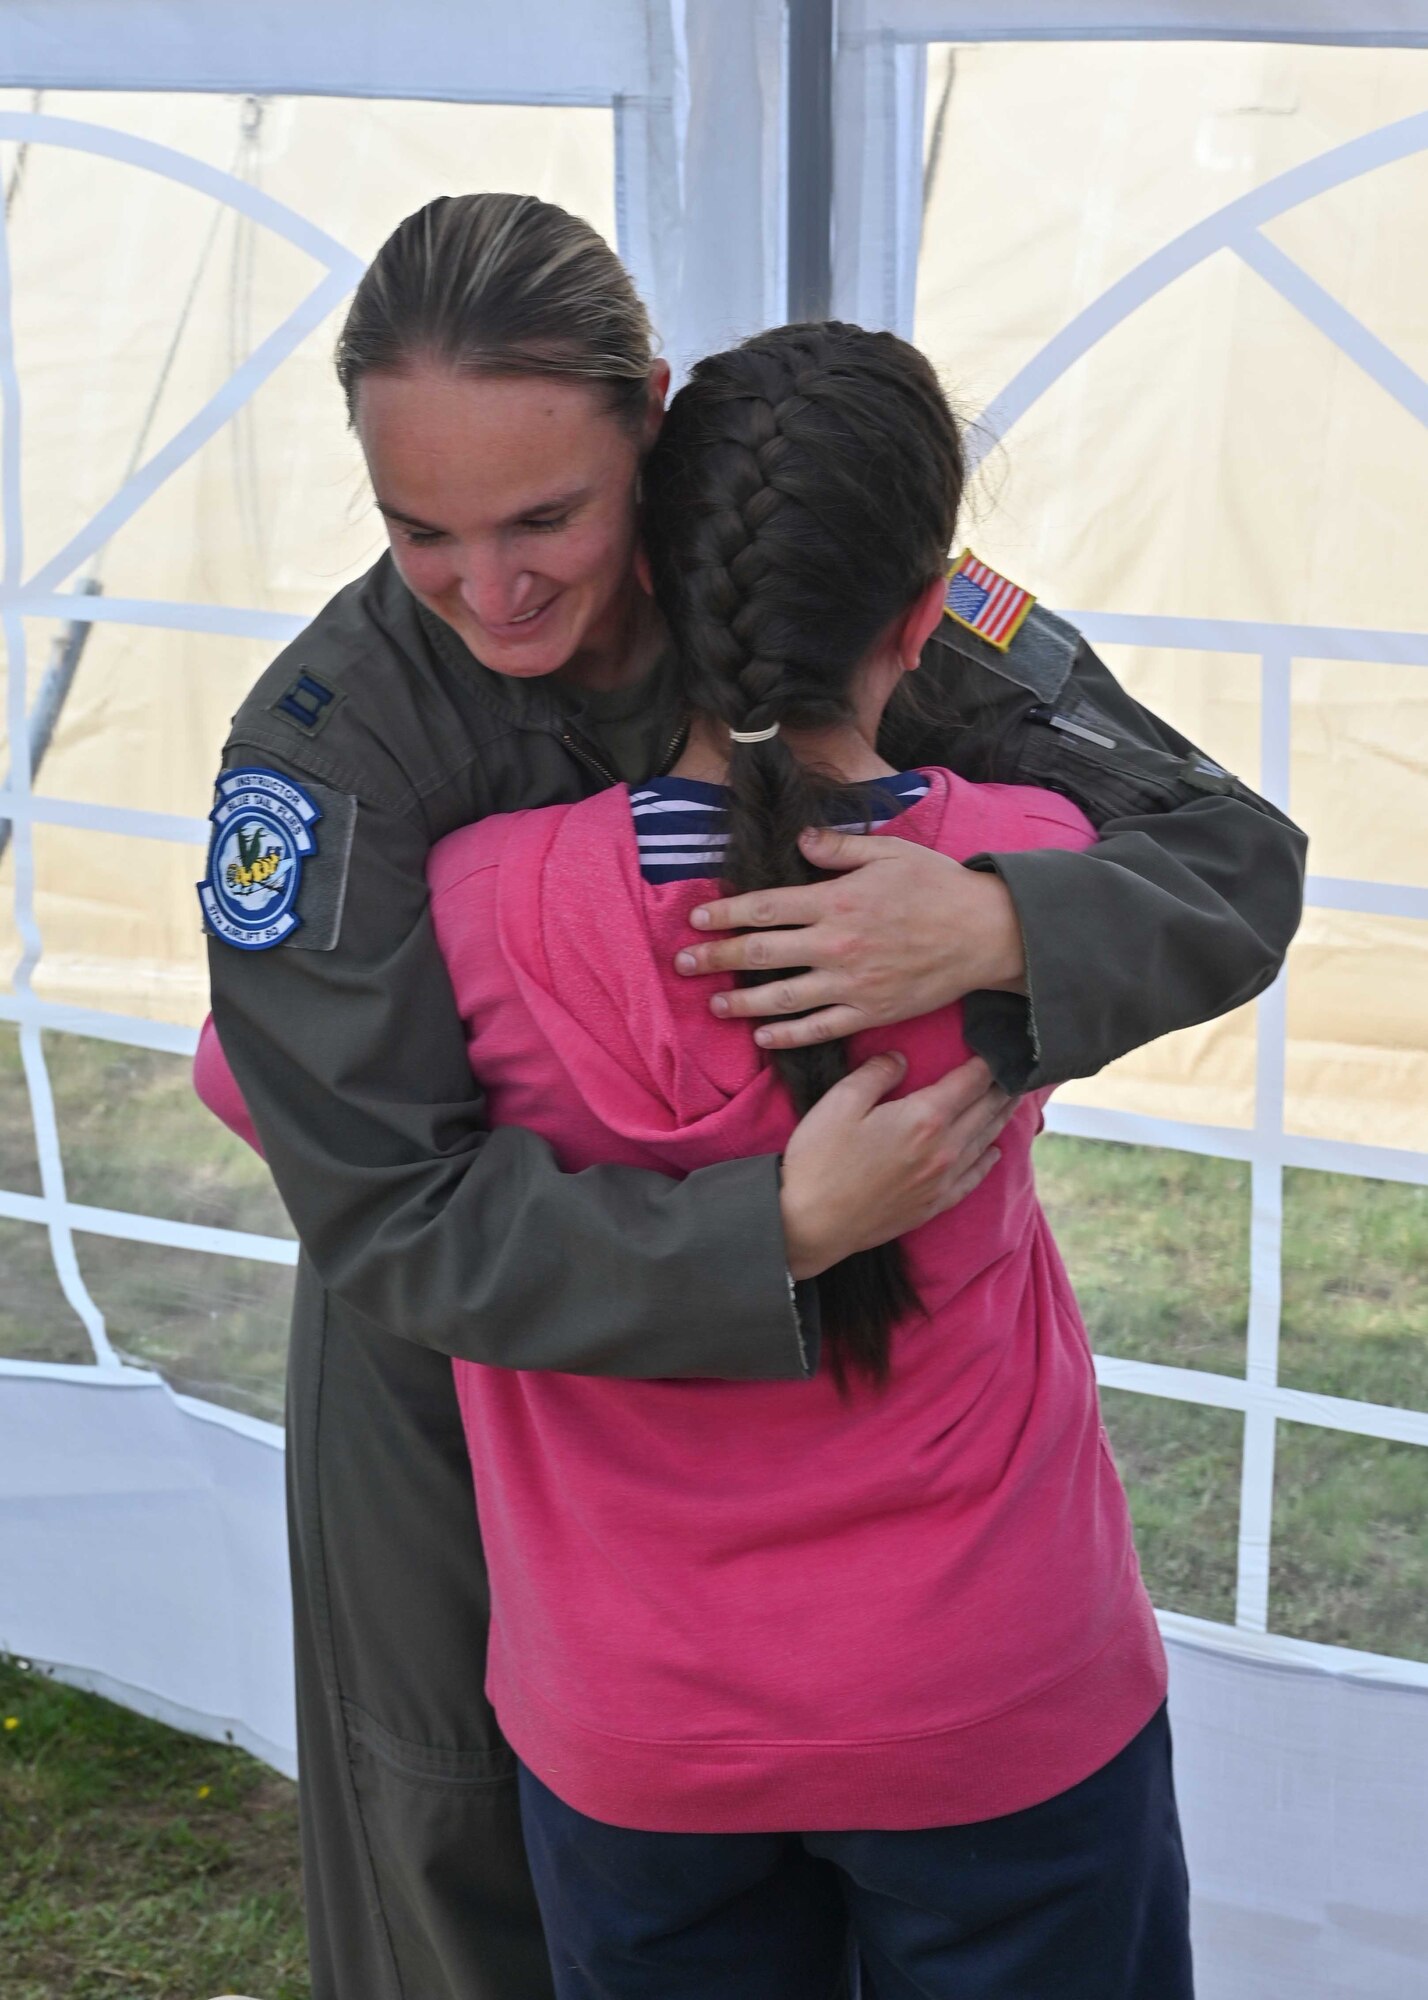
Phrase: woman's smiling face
(510,503)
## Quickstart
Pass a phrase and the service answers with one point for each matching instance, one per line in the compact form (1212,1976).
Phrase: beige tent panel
(114,267)
(1351,240)
(1216,455)
(1357,778)
(120,922)
(1061,166)
(105,257)
(113,750)
(1357,1064)
(1202,1076)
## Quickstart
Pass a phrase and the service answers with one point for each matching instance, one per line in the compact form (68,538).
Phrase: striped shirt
(679,822)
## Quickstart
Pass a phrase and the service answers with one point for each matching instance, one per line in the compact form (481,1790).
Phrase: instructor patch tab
(262,835)
(990,605)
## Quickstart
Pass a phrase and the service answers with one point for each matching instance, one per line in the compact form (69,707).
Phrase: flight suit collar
(551,708)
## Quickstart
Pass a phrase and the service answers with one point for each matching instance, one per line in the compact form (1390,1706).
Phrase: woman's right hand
(858,1171)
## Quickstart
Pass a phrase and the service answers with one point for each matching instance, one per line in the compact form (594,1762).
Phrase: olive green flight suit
(424,1235)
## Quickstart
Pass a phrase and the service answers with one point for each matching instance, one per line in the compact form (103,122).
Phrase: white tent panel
(1301,1797)
(142,1551)
(697,88)
(1389,23)
(732,124)
(544,51)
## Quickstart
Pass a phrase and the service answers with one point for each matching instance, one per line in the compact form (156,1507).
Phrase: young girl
(732,1622)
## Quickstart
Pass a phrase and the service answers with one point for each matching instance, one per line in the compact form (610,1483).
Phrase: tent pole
(810,158)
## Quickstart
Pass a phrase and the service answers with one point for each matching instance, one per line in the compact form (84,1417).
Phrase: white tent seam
(225,620)
(130,1227)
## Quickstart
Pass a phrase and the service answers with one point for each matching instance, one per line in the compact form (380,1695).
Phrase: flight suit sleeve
(1183,909)
(353,1065)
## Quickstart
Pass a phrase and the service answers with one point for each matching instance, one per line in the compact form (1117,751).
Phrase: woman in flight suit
(498,369)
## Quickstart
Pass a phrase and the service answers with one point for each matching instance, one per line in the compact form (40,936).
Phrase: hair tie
(753,735)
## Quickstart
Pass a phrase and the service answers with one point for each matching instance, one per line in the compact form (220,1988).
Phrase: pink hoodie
(217,1086)
(727,1606)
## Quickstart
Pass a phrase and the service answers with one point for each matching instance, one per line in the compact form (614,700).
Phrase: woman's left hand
(903,931)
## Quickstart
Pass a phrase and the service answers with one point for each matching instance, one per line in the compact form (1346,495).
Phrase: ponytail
(803,491)
(772,798)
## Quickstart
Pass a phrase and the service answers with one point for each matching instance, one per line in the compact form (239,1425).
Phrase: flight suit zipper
(587,756)
(674,748)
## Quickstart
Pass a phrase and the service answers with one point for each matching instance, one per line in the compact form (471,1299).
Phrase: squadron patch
(984,602)
(263,833)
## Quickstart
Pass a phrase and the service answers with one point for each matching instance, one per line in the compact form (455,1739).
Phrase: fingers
(826,848)
(761,909)
(976,1130)
(755,951)
(987,1113)
(829,1024)
(858,1091)
(957,1091)
(973,1178)
(779,996)
(766,909)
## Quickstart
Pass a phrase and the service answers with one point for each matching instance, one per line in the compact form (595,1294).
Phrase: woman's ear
(919,622)
(642,570)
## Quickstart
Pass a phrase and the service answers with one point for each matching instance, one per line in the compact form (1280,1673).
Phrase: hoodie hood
(591,946)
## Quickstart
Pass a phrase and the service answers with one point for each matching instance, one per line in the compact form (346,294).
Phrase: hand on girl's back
(858,1171)
(898,931)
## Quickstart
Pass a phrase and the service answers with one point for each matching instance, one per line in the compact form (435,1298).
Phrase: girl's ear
(919,622)
(642,570)
(658,397)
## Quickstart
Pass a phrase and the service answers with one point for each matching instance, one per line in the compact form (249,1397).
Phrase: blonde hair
(499,284)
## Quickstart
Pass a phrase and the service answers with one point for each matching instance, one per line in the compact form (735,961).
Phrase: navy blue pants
(1083,1897)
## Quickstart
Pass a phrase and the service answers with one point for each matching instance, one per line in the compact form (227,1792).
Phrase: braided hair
(802,493)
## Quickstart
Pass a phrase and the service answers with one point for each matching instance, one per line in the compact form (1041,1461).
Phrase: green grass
(133,1136)
(1157,1243)
(1355,1314)
(140,1864)
(1181,1468)
(1349,1562)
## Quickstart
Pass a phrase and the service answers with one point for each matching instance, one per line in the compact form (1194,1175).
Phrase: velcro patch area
(277,861)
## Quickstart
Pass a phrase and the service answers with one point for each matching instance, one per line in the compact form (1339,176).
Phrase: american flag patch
(990,605)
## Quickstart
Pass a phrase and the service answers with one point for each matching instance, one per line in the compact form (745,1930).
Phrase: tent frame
(768,163)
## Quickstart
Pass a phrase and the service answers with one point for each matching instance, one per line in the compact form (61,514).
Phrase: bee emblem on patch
(256,865)
(262,834)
